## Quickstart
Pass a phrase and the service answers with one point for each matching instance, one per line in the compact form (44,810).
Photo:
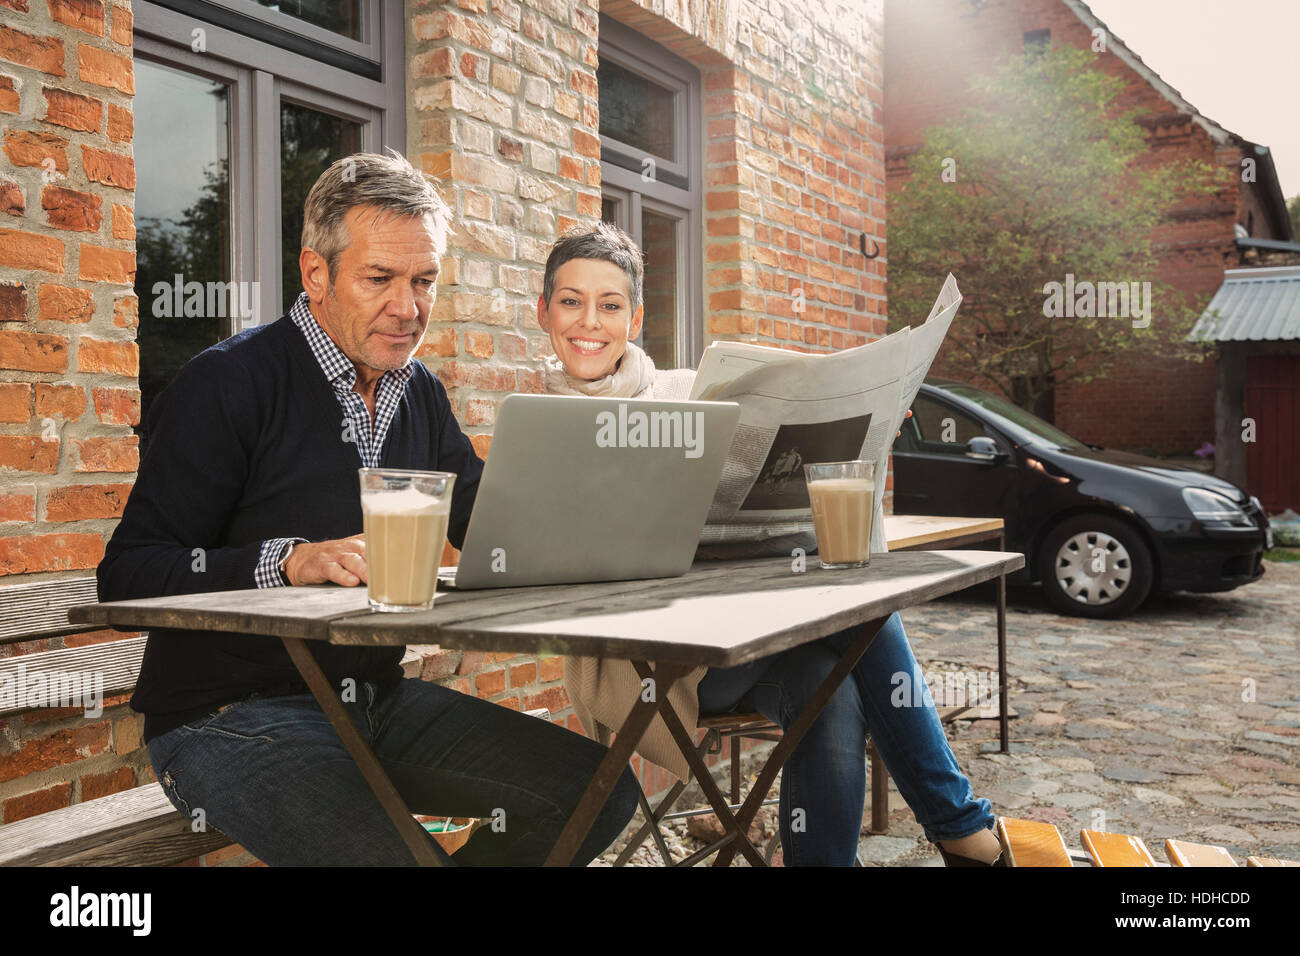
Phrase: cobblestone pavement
(1181,721)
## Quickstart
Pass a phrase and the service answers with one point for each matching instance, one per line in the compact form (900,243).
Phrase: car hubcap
(1093,568)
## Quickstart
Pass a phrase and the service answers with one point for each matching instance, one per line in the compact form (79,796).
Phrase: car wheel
(1095,566)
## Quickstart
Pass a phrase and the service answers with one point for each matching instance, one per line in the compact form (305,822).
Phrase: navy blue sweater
(246,444)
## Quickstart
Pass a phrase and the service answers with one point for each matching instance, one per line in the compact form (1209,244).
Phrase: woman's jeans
(272,774)
(824,781)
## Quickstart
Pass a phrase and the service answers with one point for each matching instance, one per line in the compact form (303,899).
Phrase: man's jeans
(272,774)
(824,782)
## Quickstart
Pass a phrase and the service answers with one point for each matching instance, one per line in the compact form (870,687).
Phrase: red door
(1273,458)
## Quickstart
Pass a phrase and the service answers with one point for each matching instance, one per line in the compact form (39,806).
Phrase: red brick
(99,264)
(118,406)
(438,342)
(586,144)
(13,302)
(112,358)
(111,169)
(33,351)
(25,148)
(29,453)
(479,344)
(121,124)
(17,507)
(80,502)
(96,785)
(71,209)
(552,698)
(522,675)
(12,200)
(67,402)
(85,15)
(104,68)
(481,445)
(550,668)
(58,303)
(122,21)
(480,411)
(126,312)
(15,402)
(123,222)
(108,454)
(40,53)
(61,747)
(64,108)
(37,802)
(10,102)
(490,682)
(27,250)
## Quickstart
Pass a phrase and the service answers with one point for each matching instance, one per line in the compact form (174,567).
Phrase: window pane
(309,141)
(661,291)
(942,428)
(337,16)
(182,210)
(635,111)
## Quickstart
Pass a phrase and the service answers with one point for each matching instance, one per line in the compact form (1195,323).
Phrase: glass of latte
(843,495)
(406,514)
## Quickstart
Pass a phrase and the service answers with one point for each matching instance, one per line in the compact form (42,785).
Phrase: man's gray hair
(387,182)
(604,242)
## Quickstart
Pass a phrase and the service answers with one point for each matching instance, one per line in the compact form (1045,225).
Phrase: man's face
(590,317)
(377,308)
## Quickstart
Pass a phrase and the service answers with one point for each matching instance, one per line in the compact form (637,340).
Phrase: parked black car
(1100,529)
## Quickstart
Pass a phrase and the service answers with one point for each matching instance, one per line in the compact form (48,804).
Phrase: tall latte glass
(406,515)
(843,495)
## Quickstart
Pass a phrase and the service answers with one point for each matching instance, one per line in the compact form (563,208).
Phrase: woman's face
(590,318)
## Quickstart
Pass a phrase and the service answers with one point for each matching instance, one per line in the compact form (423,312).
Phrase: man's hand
(342,561)
(899,434)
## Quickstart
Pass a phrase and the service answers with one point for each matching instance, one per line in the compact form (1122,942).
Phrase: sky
(1235,62)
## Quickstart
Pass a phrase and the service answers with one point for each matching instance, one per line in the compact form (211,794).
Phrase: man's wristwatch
(284,560)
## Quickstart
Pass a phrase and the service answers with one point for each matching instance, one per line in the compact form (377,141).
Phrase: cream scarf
(633,375)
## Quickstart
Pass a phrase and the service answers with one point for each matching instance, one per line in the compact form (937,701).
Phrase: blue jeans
(824,781)
(272,774)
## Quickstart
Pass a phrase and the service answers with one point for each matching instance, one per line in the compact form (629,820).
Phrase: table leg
(705,778)
(414,835)
(879,793)
(611,767)
(1003,735)
(789,740)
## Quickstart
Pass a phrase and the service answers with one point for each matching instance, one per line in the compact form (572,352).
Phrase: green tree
(1293,210)
(1040,177)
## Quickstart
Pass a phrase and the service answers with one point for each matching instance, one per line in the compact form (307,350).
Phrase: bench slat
(32,611)
(1182,853)
(118,661)
(1032,843)
(137,827)
(1269,861)
(1115,849)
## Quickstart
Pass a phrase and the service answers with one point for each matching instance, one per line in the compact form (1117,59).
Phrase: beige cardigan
(603,691)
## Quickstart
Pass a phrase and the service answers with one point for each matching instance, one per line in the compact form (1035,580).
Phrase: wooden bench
(1034,843)
(137,827)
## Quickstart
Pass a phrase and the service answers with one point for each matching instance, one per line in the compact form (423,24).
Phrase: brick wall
(1142,403)
(503,107)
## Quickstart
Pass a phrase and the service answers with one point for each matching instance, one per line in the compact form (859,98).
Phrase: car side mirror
(983,448)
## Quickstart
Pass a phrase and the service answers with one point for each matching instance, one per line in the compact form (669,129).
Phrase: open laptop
(581,489)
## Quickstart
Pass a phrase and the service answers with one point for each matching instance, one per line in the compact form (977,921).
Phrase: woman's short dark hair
(603,242)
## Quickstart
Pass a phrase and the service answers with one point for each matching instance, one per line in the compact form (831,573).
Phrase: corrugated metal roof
(1253,305)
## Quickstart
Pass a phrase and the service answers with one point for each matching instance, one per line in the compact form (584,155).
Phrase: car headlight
(1207,505)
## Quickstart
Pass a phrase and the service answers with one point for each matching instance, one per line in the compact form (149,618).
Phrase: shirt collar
(339,370)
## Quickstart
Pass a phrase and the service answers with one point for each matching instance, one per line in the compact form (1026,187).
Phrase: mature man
(250,480)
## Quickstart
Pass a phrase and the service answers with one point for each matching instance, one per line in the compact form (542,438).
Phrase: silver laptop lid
(580,489)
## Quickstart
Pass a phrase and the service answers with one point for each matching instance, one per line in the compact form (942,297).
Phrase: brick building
(156,156)
(1141,404)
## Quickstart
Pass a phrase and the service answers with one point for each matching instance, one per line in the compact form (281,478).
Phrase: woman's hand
(899,433)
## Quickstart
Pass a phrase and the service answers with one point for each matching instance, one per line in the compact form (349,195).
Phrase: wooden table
(719,614)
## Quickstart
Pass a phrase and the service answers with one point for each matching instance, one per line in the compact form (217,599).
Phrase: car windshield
(1033,427)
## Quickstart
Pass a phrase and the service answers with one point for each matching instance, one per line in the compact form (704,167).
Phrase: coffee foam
(407,501)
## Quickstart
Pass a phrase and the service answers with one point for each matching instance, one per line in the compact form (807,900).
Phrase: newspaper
(797,408)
